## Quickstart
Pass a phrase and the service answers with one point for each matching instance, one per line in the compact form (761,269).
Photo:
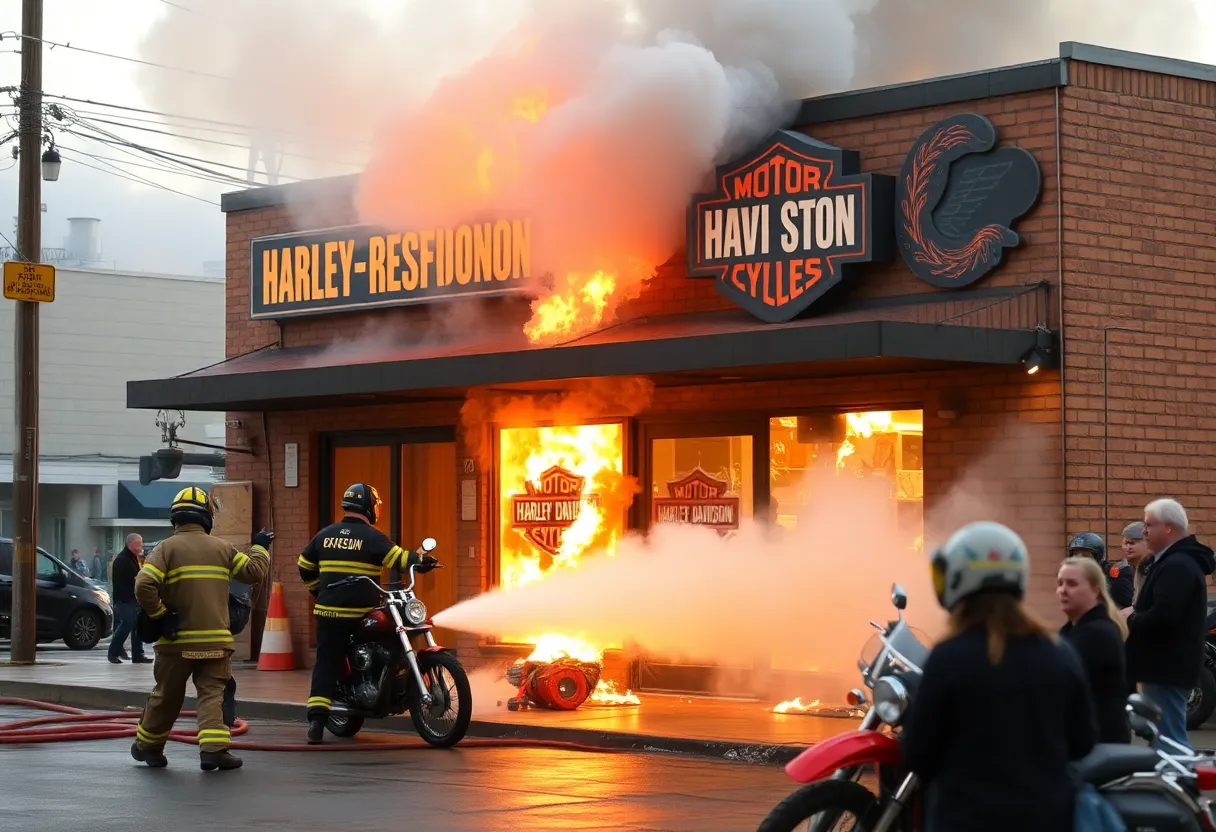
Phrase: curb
(81,696)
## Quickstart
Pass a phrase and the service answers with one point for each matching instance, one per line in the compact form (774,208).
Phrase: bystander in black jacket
(1167,628)
(1120,582)
(1099,644)
(986,736)
(125,568)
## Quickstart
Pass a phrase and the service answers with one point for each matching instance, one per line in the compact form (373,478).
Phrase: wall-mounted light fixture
(1043,354)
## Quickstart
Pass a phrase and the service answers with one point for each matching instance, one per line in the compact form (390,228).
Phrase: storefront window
(886,444)
(702,480)
(563,496)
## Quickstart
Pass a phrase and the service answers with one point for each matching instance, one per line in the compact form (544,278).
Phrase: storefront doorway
(415,473)
(710,474)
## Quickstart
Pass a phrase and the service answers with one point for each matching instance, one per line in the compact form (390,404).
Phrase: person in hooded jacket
(1003,707)
(1167,624)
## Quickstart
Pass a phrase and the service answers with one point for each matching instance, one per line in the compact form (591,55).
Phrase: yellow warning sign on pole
(29,281)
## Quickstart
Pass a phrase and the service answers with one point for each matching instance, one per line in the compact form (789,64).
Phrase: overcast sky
(143,227)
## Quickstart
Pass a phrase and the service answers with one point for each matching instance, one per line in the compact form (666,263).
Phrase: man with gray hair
(1167,623)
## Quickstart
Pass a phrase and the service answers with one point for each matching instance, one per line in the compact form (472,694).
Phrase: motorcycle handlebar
(351,579)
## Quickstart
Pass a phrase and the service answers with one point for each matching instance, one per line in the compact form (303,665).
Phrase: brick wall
(1139,174)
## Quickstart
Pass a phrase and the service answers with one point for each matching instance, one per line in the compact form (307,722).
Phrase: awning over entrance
(982,327)
(149,502)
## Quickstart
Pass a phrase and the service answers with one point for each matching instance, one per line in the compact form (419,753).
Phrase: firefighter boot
(211,760)
(316,731)
(152,757)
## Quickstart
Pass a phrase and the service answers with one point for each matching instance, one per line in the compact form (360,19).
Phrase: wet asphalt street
(95,785)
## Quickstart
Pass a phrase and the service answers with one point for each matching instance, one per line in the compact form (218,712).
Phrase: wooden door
(428,509)
(372,464)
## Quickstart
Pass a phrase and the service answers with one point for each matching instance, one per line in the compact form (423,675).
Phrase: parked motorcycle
(1150,789)
(393,665)
(1202,701)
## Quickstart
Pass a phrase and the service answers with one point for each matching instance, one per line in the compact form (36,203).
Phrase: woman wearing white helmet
(1003,707)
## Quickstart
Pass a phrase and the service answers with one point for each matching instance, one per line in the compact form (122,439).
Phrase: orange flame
(795,705)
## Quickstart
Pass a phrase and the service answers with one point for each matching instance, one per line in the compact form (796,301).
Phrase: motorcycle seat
(1111,761)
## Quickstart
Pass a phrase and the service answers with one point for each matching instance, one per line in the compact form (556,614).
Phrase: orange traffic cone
(276,636)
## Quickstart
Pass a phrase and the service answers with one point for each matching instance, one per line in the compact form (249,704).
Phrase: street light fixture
(51,162)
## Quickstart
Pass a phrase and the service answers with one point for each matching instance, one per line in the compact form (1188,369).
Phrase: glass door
(711,475)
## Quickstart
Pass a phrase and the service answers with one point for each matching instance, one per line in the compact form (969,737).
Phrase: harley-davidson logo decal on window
(548,507)
(697,499)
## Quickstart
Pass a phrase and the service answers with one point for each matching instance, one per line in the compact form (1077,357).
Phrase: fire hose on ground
(74,725)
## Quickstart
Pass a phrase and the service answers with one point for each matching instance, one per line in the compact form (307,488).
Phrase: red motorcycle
(1150,788)
(393,665)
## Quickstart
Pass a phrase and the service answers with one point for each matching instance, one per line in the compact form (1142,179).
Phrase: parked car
(69,606)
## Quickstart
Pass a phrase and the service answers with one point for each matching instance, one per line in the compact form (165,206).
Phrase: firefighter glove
(264,538)
(426,563)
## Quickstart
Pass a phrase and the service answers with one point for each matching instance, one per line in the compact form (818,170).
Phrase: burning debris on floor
(563,683)
(797,707)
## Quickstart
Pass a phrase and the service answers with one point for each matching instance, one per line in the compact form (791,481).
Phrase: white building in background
(106,328)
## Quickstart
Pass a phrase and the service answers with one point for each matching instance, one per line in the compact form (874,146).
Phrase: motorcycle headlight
(891,699)
(415,611)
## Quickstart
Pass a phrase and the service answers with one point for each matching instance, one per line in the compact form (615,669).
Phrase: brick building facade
(1113,275)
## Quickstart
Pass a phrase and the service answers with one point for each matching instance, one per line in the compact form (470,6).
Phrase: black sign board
(957,200)
(787,222)
(360,267)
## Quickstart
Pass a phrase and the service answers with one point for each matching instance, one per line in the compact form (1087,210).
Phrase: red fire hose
(74,725)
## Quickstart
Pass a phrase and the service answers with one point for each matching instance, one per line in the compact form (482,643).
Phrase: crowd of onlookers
(1139,623)
(1005,705)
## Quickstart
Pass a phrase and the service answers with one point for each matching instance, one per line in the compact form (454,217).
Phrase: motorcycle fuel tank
(374,626)
(1151,810)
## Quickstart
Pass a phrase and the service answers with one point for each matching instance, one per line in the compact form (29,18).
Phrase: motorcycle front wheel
(1202,700)
(825,805)
(444,722)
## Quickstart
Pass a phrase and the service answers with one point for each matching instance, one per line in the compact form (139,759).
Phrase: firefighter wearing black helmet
(350,547)
(1119,577)
(183,592)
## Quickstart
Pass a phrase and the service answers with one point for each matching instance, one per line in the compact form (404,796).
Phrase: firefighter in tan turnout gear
(183,590)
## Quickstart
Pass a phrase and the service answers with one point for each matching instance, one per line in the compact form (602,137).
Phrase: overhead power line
(55,45)
(138,180)
(244,129)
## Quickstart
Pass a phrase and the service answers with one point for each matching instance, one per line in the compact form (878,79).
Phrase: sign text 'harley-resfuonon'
(785,221)
(357,267)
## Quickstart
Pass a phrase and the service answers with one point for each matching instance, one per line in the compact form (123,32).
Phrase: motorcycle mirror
(898,597)
(429,544)
(1143,708)
(1141,727)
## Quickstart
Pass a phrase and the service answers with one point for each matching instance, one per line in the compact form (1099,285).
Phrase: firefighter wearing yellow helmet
(183,592)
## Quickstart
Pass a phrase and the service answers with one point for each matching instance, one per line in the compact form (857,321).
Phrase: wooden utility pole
(29,244)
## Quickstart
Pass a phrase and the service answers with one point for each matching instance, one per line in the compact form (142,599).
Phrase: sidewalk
(727,729)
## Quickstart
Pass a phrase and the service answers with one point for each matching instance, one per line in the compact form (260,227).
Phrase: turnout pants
(333,635)
(171,673)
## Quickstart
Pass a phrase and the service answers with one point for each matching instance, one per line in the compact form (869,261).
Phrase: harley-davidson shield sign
(548,507)
(699,500)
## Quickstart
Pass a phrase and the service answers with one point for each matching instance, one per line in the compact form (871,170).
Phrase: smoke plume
(800,598)
(596,119)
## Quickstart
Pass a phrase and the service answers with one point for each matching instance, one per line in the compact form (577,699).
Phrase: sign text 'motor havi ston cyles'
(360,267)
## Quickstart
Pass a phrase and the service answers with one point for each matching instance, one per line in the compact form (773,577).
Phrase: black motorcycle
(1202,701)
(393,665)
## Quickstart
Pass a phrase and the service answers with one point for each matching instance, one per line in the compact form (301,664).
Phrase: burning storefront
(880,294)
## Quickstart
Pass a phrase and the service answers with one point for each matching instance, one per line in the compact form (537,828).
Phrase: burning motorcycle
(1150,789)
(393,665)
